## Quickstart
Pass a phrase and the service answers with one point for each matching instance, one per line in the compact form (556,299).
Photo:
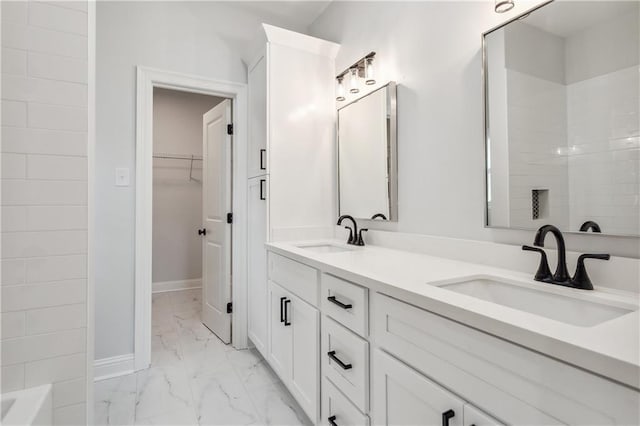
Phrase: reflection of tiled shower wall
(537,114)
(44,202)
(604,151)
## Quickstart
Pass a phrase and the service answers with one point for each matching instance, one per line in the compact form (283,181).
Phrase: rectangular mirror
(367,156)
(562,118)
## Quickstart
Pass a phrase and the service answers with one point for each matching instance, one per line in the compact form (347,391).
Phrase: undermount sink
(324,248)
(583,310)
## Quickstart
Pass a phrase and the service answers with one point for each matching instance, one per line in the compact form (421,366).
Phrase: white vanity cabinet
(257,261)
(294,331)
(402,396)
(510,383)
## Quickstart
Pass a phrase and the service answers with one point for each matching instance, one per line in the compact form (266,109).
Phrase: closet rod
(177,157)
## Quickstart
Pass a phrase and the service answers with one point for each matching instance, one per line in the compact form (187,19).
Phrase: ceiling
(300,13)
(567,18)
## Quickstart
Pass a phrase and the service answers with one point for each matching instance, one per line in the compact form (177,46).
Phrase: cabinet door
(280,331)
(403,396)
(475,417)
(257,115)
(305,375)
(257,264)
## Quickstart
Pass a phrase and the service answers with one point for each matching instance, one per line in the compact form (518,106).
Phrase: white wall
(44,202)
(433,51)
(201,38)
(177,199)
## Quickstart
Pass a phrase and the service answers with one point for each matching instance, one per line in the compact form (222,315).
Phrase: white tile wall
(604,151)
(537,117)
(44,201)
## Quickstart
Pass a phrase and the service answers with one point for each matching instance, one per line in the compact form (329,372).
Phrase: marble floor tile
(194,379)
(161,390)
(115,401)
(220,399)
(276,406)
(252,369)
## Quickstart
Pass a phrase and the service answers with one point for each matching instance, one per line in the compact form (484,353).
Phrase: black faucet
(580,279)
(353,232)
(561,275)
(590,225)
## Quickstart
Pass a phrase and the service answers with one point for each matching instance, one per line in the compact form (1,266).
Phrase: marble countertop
(610,349)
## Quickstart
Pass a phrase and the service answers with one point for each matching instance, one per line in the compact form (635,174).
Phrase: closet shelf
(190,158)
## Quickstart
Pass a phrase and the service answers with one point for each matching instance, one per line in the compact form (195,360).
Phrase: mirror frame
(391,89)
(485,121)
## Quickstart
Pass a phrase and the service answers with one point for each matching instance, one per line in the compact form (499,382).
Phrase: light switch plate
(122,176)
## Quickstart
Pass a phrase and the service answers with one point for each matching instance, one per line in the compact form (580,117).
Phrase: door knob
(202,231)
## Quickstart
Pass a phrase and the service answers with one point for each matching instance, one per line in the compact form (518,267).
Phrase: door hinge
(229,217)
(229,308)
(229,129)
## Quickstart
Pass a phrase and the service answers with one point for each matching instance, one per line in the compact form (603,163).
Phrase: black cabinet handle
(262,197)
(446,416)
(202,231)
(262,152)
(282,299)
(286,315)
(335,301)
(337,360)
(332,421)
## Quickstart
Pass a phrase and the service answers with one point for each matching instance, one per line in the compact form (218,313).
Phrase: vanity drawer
(346,362)
(300,279)
(334,403)
(345,302)
(511,383)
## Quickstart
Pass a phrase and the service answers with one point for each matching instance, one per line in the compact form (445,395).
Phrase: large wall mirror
(562,118)
(367,150)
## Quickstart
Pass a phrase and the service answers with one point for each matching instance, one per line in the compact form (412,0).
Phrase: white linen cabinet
(291,119)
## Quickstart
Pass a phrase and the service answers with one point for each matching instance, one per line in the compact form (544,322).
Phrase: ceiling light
(503,6)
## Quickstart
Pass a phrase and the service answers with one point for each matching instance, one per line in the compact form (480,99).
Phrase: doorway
(184,244)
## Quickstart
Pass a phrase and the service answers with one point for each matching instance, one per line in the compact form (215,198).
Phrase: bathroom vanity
(371,335)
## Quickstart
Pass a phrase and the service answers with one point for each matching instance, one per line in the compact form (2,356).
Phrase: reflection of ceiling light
(503,6)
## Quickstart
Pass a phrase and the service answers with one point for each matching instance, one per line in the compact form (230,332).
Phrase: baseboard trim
(162,286)
(115,366)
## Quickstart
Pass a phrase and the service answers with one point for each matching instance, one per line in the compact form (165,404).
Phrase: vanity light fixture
(364,69)
(369,71)
(340,90)
(503,6)
(353,80)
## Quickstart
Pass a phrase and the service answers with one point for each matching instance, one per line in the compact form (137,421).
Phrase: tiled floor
(195,378)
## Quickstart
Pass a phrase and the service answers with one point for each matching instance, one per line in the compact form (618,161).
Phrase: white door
(257,261)
(216,250)
(402,396)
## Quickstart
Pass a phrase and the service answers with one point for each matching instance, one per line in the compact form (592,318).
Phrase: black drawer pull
(446,416)
(337,360)
(282,299)
(335,301)
(332,421)
(286,314)
(262,196)
(262,152)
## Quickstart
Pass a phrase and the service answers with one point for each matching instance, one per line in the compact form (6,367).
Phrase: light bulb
(340,90)
(369,71)
(503,6)
(353,80)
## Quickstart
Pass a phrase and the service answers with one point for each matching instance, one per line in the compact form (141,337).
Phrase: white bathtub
(28,407)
